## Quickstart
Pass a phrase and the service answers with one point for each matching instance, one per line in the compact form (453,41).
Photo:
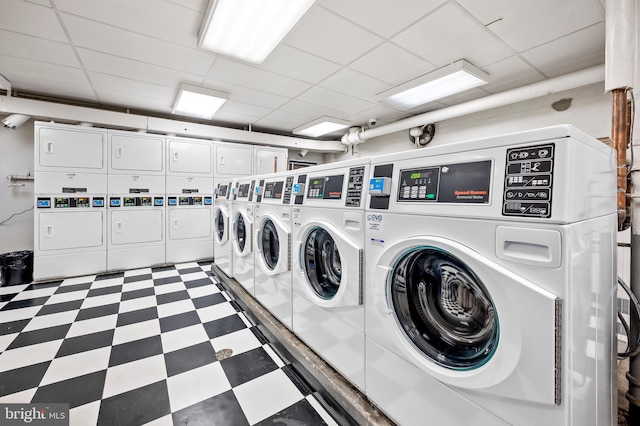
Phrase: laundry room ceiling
(134,54)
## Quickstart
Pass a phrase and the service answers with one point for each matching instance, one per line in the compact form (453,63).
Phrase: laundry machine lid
(444,308)
(273,241)
(221,225)
(242,230)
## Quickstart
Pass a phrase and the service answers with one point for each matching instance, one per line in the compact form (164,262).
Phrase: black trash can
(16,267)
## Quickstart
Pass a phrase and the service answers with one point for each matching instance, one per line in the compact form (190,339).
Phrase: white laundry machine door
(242,234)
(221,225)
(330,265)
(467,321)
(189,223)
(273,246)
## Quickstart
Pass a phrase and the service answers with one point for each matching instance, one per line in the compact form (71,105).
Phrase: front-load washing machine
(491,277)
(273,244)
(242,231)
(222,242)
(328,276)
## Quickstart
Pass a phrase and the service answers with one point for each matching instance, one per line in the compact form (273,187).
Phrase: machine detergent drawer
(68,150)
(190,223)
(136,226)
(70,229)
(190,157)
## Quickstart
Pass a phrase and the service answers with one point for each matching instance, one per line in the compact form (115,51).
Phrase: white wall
(16,158)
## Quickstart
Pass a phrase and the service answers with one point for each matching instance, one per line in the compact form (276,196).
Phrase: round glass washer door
(219,225)
(240,231)
(322,265)
(270,244)
(443,308)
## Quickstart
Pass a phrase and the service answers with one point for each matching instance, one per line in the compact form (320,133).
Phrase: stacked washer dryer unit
(242,232)
(136,184)
(272,243)
(189,200)
(328,256)
(70,188)
(230,160)
(490,293)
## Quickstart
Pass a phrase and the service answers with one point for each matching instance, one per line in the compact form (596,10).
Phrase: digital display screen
(44,203)
(273,189)
(114,202)
(98,202)
(207,201)
(173,201)
(158,201)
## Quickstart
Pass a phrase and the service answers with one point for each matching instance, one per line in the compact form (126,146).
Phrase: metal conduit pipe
(552,85)
(619,136)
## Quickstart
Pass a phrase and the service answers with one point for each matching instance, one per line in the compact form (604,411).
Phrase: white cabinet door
(70,230)
(68,150)
(269,160)
(190,223)
(136,153)
(190,157)
(233,160)
(136,226)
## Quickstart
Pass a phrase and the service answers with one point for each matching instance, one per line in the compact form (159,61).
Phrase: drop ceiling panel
(107,39)
(510,73)
(450,34)
(246,94)
(526,24)
(311,110)
(37,49)
(235,118)
(382,17)
(252,77)
(576,51)
(327,35)
(40,2)
(236,107)
(162,19)
(353,83)
(133,87)
(300,65)
(331,99)
(128,100)
(392,64)
(197,5)
(285,120)
(58,89)
(135,70)
(13,68)
(32,19)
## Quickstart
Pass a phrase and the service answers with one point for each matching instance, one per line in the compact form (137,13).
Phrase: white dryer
(222,241)
(328,255)
(242,232)
(491,277)
(273,244)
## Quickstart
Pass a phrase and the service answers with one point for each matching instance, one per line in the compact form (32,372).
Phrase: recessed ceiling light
(249,29)
(198,102)
(321,126)
(446,81)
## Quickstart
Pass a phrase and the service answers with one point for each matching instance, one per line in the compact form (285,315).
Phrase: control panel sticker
(114,202)
(98,202)
(375,221)
(354,186)
(44,203)
(325,188)
(243,190)
(528,181)
(273,189)
(288,189)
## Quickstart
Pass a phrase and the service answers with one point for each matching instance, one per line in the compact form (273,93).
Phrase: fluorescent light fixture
(249,29)
(198,102)
(446,81)
(321,126)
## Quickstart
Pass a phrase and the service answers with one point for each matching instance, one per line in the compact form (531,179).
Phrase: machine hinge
(360,274)
(289,253)
(558,354)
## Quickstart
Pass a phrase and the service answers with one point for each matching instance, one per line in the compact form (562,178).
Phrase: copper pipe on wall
(619,135)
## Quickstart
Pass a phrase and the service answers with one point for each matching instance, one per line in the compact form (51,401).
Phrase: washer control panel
(69,202)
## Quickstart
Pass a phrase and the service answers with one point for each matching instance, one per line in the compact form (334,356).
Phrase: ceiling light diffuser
(249,29)
(446,81)
(198,102)
(321,126)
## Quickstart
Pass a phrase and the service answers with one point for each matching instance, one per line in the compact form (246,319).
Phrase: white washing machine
(222,241)
(490,291)
(328,271)
(273,244)
(189,219)
(242,232)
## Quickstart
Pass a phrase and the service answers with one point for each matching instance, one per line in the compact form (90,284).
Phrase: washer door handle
(259,241)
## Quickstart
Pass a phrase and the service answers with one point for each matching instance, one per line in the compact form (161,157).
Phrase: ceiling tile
(285,120)
(135,70)
(105,38)
(510,73)
(46,3)
(392,64)
(37,49)
(246,94)
(450,34)
(197,5)
(300,65)
(571,53)
(526,24)
(330,99)
(234,107)
(382,113)
(312,110)
(169,21)
(13,68)
(467,95)
(383,17)
(250,76)
(133,87)
(353,83)
(327,35)
(132,101)
(234,118)
(33,19)
(57,89)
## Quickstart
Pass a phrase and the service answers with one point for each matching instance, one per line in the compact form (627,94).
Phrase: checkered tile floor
(157,346)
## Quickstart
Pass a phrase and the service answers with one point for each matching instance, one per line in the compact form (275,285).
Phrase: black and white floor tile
(157,346)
